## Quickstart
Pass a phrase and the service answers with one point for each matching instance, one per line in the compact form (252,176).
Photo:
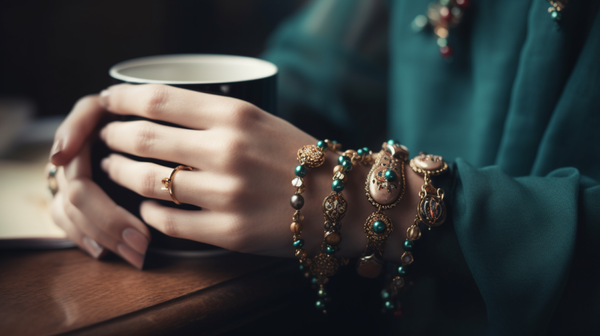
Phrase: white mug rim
(267,69)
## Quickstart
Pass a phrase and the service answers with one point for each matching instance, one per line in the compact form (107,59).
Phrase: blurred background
(53,52)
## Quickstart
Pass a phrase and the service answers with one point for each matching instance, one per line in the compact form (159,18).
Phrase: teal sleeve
(332,58)
(531,245)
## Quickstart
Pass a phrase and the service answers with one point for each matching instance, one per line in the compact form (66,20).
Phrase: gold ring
(52,183)
(168,181)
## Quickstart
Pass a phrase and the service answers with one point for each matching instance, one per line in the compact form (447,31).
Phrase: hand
(88,216)
(243,161)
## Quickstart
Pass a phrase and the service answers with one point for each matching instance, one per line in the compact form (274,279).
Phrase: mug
(249,79)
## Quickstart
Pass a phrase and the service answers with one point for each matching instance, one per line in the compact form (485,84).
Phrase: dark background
(53,52)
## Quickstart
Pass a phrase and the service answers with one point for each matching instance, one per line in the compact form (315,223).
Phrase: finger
(162,102)
(62,220)
(75,129)
(204,189)
(151,140)
(210,227)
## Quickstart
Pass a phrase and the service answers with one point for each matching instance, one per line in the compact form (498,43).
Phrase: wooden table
(67,292)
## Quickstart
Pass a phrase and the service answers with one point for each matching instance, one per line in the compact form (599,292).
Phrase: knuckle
(77,193)
(145,137)
(242,114)
(157,100)
(147,183)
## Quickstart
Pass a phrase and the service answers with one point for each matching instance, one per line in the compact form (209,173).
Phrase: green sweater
(516,113)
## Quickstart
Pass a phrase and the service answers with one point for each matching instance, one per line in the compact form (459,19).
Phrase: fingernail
(57,147)
(134,258)
(135,239)
(103,99)
(104,164)
(93,248)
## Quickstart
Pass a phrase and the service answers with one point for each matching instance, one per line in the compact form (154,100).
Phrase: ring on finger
(52,183)
(168,181)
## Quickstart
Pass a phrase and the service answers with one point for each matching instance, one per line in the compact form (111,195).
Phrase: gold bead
(350,153)
(338,168)
(301,254)
(413,233)
(296,228)
(333,239)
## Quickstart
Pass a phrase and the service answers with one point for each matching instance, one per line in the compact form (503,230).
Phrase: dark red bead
(463,3)
(398,313)
(445,13)
(446,51)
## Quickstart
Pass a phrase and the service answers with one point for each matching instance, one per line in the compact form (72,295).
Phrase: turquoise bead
(385,294)
(390,305)
(408,245)
(300,171)
(320,304)
(313,280)
(347,165)
(366,150)
(322,293)
(379,226)
(390,175)
(299,243)
(301,268)
(329,249)
(360,152)
(343,158)
(392,142)
(322,144)
(337,185)
(402,271)
(556,15)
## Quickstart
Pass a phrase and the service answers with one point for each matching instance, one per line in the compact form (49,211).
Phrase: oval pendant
(432,211)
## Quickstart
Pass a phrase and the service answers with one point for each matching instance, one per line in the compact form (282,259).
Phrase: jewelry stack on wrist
(384,187)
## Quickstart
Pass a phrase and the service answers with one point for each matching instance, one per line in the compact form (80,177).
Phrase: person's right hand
(88,216)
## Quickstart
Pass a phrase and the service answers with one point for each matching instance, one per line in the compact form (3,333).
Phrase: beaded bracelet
(325,264)
(431,211)
(384,188)
(310,156)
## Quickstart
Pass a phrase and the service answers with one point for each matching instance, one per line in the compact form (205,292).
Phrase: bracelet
(431,211)
(325,264)
(310,156)
(384,188)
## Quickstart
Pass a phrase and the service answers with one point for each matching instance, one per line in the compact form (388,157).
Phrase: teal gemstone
(556,15)
(390,305)
(320,304)
(337,185)
(385,294)
(392,142)
(313,280)
(390,175)
(329,249)
(301,268)
(347,165)
(360,152)
(366,150)
(322,144)
(343,158)
(402,271)
(379,226)
(408,245)
(299,243)
(322,292)
(300,171)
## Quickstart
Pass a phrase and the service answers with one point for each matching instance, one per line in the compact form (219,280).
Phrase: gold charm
(431,210)
(311,156)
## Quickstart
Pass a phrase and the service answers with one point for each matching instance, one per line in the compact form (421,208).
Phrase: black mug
(249,79)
